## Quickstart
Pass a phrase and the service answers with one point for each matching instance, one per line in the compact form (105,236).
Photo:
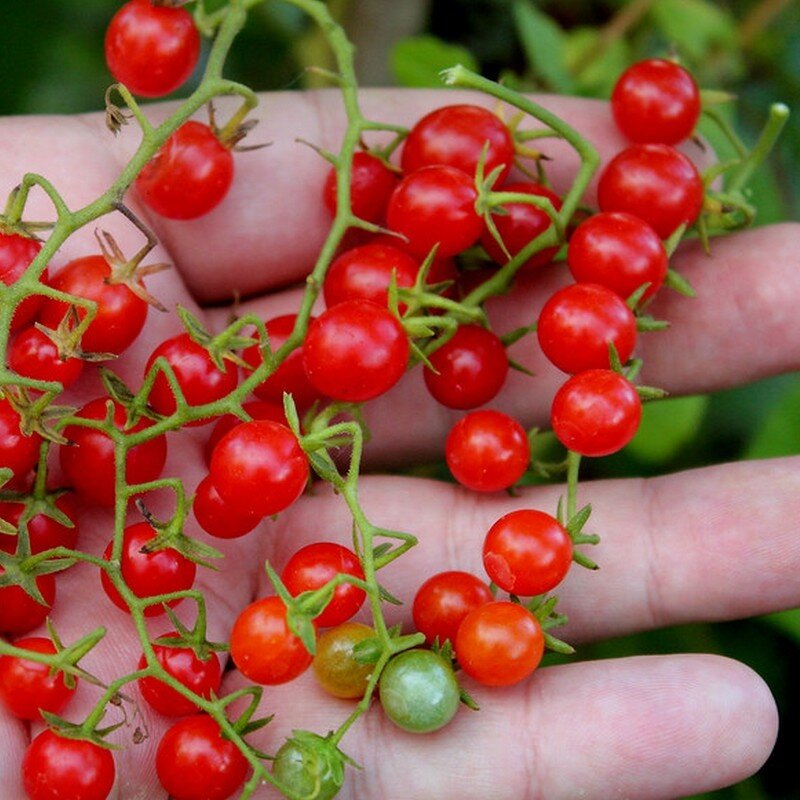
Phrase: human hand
(675,549)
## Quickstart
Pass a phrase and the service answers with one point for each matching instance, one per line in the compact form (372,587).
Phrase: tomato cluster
(401,294)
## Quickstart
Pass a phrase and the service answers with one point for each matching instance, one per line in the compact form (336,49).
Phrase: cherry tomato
(259,467)
(16,254)
(27,687)
(148,574)
(56,768)
(88,462)
(487,451)
(198,376)
(618,251)
(316,564)
(654,182)
(189,176)
(578,323)
(120,313)
(499,644)
(419,691)
(596,413)
(290,376)
(371,186)
(151,48)
(442,602)
(365,273)
(18,452)
(355,351)
(306,770)
(202,677)
(471,368)
(520,225)
(263,647)
(656,101)
(257,409)
(456,136)
(335,666)
(527,552)
(35,355)
(436,205)
(195,761)
(44,533)
(218,518)
(19,612)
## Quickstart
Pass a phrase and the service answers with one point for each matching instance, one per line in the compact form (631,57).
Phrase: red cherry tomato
(355,351)
(194,760)
(654,182)
(197,375)
(263,647)
(442,602)
(55,768)
(365,273)
(189,176)
(290,376)
(201,677)
(436,205)
(527,552)
(27,687)
(578,323)
(313,566)
(371,186)
(88,462)
(456,136)
(18,452)
(257,409)
(19,612)
(499,644)
(34,355)
(596,413)
(148,574)
(120,313)
(16,254)
(151,48)
(259,467)
(471,368)
(44,533)
(656,101)
(520,225)
(218,518)
(618,251)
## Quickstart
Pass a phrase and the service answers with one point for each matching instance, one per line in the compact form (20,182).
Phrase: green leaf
(666,427)
(697,27)
(595,71)
(544,44)
(787,622)
(417,60)
(779,432)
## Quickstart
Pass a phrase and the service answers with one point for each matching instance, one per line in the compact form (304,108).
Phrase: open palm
(713,544)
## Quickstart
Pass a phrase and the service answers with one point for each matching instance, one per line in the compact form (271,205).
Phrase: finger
(647,728)
(13,742)
(674,549)
(269,230)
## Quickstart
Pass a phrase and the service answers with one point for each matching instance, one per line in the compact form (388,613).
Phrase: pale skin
(715,544)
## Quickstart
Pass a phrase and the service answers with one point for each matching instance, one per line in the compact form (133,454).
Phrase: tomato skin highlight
(189,176)
(26,686)
(487,451)
(442,602)
(596,413)
(34,355)
(55,768)
(527,552)
(499,644)
(195,761)
(262,646)
(259,467)
(152,49)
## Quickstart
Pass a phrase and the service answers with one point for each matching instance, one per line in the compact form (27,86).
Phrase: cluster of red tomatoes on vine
(431,207)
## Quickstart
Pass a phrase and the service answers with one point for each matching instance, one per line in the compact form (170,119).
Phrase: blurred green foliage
(51,61)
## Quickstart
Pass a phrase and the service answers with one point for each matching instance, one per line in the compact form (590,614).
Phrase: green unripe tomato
(308,767)
(419,691)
